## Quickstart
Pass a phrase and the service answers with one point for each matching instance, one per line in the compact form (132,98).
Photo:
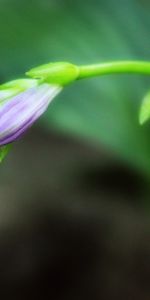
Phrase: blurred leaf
(145,109)
(106,109)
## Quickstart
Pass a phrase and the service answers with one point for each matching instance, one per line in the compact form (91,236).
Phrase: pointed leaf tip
(145,110)
(4,151)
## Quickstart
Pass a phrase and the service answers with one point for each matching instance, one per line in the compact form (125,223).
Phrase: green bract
(14,87)
(61,73)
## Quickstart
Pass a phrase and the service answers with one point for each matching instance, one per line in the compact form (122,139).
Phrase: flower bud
(21,105)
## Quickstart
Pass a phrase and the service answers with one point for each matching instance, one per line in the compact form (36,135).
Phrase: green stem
(118,67)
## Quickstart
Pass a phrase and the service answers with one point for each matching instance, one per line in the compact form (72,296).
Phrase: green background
(34,32)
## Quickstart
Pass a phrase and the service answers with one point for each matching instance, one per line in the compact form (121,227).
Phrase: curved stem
(118,67)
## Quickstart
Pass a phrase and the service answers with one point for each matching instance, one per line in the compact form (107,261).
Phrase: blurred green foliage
(34,32)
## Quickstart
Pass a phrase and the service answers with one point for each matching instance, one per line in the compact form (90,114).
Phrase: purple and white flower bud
(19,112)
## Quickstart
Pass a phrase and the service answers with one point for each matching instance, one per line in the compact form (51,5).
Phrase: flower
(22,102)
